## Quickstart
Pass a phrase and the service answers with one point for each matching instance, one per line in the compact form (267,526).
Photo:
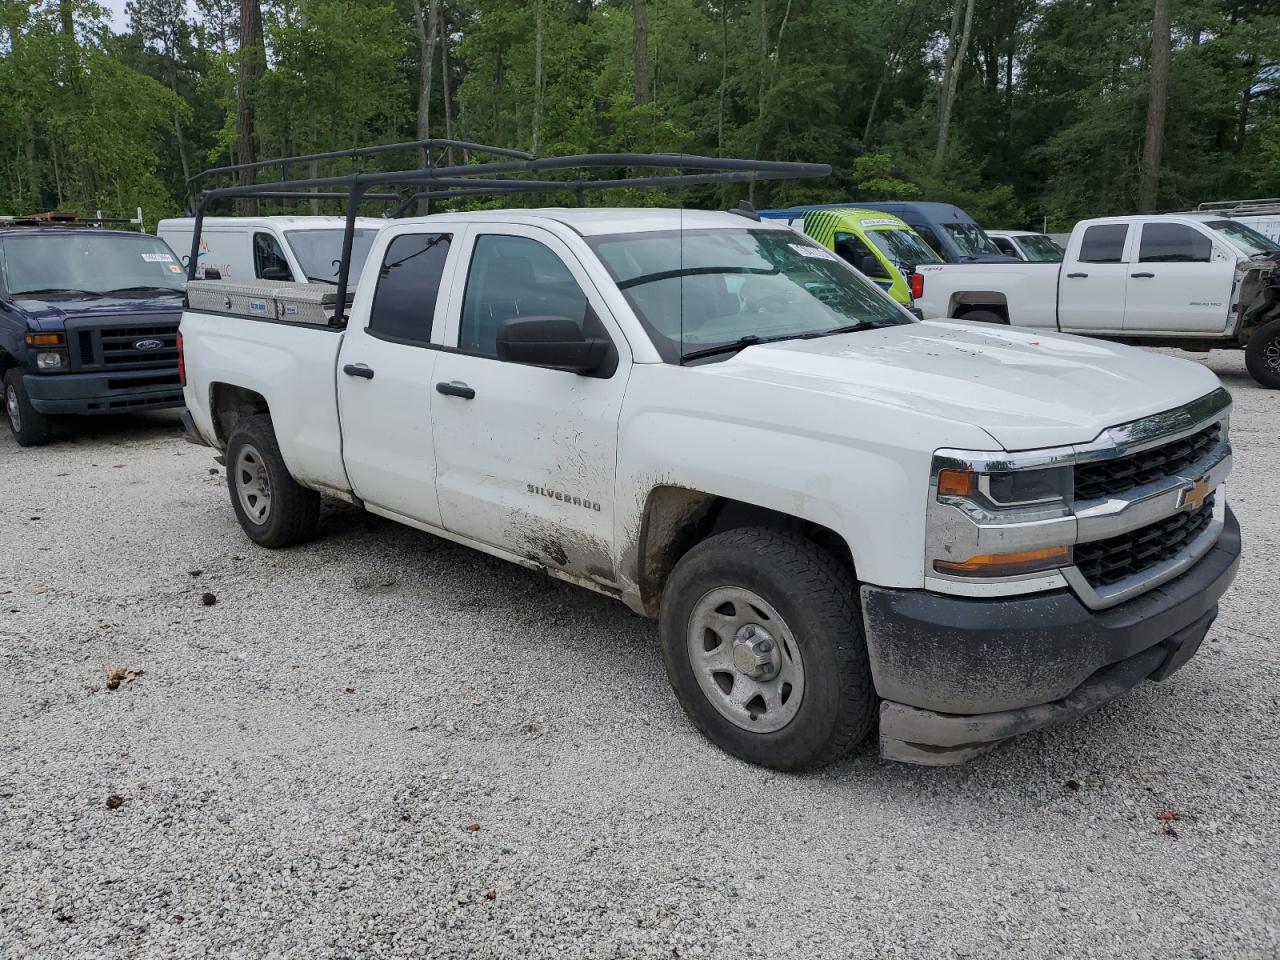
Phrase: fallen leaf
(491,894)
(405,817)
(119,675)
(179,917)
(1165,816)
(1168,831)
(42,589)
(208,599)
(350,690)
(194,573)
(115,801)
(471,827)
(117,466)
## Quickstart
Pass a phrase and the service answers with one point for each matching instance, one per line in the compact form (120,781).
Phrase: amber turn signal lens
(44,339)
(957,483)
(1006,564)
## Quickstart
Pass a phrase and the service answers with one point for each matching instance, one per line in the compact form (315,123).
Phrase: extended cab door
(1181,281)
(526,456)
(386,376)
(1093,279)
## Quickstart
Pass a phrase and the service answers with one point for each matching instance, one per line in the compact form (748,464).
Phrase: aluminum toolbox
(279,300)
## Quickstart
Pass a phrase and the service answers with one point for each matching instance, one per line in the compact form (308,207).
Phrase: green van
(879,244)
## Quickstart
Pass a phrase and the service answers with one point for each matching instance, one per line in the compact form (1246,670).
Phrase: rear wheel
(983,316)
(30,427)
(273,508)
(1262,355)
(763,643)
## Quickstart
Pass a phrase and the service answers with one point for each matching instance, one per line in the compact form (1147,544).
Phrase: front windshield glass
(1246,238)
(970,239)
(319,252)
(696,290)
(903,247)
(47,263)
(1040,249)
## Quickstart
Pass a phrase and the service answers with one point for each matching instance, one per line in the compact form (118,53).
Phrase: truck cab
(1027,246)
(88,325)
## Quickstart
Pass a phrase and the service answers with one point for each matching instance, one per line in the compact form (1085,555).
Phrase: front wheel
(30,427)
(273,508)
(1262,355)
(763,643)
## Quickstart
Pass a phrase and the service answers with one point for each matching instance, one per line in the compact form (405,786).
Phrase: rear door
(1180,281)
(386,376)
(1093,279)
(525,456)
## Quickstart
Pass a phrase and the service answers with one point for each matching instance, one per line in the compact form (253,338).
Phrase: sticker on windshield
(817,253)
(174,268)
(157,257)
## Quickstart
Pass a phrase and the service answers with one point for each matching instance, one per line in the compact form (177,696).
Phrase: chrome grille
(1103,478)
(1105,562)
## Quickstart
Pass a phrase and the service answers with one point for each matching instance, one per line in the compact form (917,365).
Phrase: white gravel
(299,762)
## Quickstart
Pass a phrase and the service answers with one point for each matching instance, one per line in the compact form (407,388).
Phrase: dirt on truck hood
(1025,388)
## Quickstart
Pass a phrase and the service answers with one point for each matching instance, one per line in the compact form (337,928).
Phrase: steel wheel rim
(11,408)
(1271,353)
(729,629)
(253,484)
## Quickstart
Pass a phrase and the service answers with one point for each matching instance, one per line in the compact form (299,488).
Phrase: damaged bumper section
(959,676)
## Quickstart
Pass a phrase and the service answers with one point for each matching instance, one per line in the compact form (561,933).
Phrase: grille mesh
(1110,477)
(1104,562)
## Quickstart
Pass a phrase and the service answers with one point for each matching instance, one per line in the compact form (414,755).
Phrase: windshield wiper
(43,290)
(147,288)
(750,340)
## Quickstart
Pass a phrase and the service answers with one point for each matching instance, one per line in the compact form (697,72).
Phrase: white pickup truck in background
(1194,281)
(837,513)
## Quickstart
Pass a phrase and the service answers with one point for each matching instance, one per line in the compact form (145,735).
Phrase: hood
(50,316)
(1025,388)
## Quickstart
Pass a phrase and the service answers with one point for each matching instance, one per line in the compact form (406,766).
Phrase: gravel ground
(381,744)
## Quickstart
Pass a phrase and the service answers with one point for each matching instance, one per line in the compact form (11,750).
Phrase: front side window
(514,277)
(404,302)
(268,259)
(859,256)
(928,235)
(1041,248)
(1246,238)
(1173,243)
(696,290)
(970,239)
(48,263)
(319,252)
(1103,243)
(903,247)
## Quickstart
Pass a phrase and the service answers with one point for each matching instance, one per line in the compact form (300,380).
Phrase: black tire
(1262,355)
(283,513)
(816,597)
(29,426)
(984,316)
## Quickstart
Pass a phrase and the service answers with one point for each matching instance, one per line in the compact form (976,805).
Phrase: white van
(301,249)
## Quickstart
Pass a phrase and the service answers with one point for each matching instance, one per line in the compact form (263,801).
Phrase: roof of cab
(596,221)
(285,222)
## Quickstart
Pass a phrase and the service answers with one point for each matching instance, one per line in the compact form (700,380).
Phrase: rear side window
(404,302)
(1104,243)
(1173,243)
(514,277)
(1005,246)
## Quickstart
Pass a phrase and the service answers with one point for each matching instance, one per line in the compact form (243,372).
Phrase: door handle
(358,370)
(456,389)
(1074,276)
(1144,275)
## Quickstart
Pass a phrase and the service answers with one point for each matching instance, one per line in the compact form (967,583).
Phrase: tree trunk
(640,36)
(724,73)
(890,67)
(951,78)
(427,22)
(252,63)
(1149,186)
(446,87)
(537,79)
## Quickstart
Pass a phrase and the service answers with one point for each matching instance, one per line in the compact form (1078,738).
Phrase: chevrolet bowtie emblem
(1194,498)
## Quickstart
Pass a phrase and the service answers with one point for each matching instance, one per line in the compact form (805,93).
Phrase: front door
(1178,283)
(386,380)
(525,456)
(1093,280)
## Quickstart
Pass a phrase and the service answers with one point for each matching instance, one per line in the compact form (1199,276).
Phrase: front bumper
(958,676)
(98,393)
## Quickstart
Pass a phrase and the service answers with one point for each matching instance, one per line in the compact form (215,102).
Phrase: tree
(251,66)
(951,77)
(1154,146)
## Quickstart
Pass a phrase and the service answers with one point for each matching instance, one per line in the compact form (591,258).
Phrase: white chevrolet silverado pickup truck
(1194,281)
(836,513)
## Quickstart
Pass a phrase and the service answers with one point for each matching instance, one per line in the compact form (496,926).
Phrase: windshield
(970,239)
(1040,249)
(903,247)
(46,263)
(1246,238)
(319,252)
(700,289)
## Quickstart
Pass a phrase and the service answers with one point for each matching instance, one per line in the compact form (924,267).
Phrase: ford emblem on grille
(148,344)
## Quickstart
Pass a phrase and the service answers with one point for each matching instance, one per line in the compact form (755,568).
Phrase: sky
(118,18)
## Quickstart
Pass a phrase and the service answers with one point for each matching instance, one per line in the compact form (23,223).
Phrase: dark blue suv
(88,324)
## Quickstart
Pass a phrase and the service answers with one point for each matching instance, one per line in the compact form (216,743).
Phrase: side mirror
(211,274)
(555,342)
(276,272)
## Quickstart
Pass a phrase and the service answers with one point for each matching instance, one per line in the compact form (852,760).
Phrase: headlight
(51,360)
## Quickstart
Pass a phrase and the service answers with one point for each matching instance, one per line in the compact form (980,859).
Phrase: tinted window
(931,238)
(1104,243)
(267,255)
(856,253)
(1173,243)
(404,303)
(514,277)
(1005,246)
